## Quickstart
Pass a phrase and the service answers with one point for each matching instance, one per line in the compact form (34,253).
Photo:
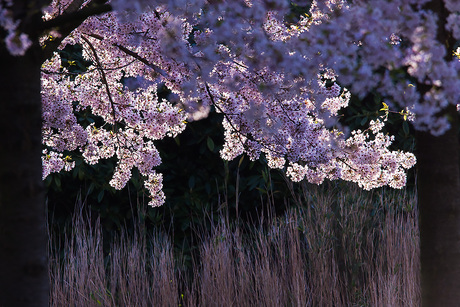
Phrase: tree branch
(103,77)
(134,55)
(69,21)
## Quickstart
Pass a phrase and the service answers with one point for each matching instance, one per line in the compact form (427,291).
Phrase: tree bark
(23,235)
(24,277)
(438,189)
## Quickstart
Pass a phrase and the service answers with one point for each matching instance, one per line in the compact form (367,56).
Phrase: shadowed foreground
(339,249)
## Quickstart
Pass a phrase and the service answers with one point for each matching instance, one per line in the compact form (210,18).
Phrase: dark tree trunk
(23,236)
(438,186)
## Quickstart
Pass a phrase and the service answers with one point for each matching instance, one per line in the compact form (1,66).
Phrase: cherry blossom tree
(279,84)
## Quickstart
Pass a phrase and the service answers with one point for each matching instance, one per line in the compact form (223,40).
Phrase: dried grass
(341,248)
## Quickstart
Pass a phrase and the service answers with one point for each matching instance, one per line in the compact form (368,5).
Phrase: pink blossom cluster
(16,42)
(279,86)
(54,162)
(133,116)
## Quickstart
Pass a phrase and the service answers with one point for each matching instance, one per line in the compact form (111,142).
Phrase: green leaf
(91,187)
(241,161)
(48,181)
(177,140)
(191,182)
(406,127)
(210,143)
(135,182)
(57,181)
(81,173)
(363,121)
(385,107)
(75,172)
(100,196)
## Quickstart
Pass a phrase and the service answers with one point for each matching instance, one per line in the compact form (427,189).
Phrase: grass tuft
(340,247)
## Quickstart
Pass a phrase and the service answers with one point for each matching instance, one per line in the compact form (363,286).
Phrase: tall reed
(342,247)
